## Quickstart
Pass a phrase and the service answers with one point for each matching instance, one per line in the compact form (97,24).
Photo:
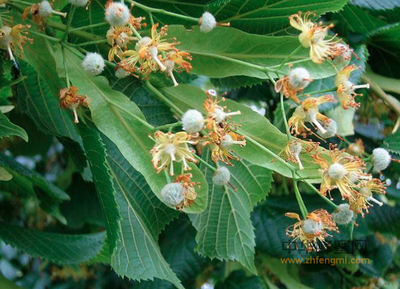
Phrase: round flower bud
(117,14)
(221,176)
(120,73)
(344,52)
(45,9)
(79,3)
(336,171)
(207,22)
(331,129)
(6,38)
(343,215)
(172,194)
(312,227)
(299,78)
(93,63)
(192,121)
(381,159)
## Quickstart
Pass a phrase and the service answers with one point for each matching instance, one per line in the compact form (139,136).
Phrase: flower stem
(169,126)
(300,201)
(89,26)
(70,17)
(205,163)
(332,204)
(289,56)
(161,11)
(44,36)
(318,92)
(100,41)
(65,66)
(135,31)
(163,98)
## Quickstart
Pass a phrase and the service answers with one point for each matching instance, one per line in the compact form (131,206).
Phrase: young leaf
(9,129)
(58,248)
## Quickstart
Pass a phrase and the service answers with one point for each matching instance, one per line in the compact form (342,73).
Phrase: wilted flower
(170,148)
(181,193)
(12,38)
(40,11)
(313,230)
(118,38)
(294,147)
(365,195)
(346,89)
(298,79)
(308,112)
(176,61)
(356,149)
(340,170)
(69,98)
(313,36)
(330,129)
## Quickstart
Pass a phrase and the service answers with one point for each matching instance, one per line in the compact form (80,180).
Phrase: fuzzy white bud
(193,121)
(299,78)
(222,176)
(120,73)
(93,63)
(79,3)
(117,14)
(344,52)
(45,9)
(336,171)
(312,227)
(343,215)
(381,159)
(172,194)
(331,129)
(207,22)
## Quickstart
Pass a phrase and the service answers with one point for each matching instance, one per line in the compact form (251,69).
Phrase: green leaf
(43,106)
(96,154)
(143,217)
(9,129)
(268,17)
(376,5)
(5,175)
(392,142)
(122,121)
(57,248)
(84,206)
(26,183)
(239,280)
(177,245)
(236,53)
(224,230)
(264,133)
(384,219)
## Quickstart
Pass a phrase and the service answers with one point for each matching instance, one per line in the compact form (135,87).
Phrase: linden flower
(69,98)
(40,11)
(340,171)
(118,38)
(298,79)
(181,193)
(346,89)
(308,112)
(177,59)
(313,230)
(356,149)
(313,36)
(170,148)
(294,147)
(365,196)
(12,38)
